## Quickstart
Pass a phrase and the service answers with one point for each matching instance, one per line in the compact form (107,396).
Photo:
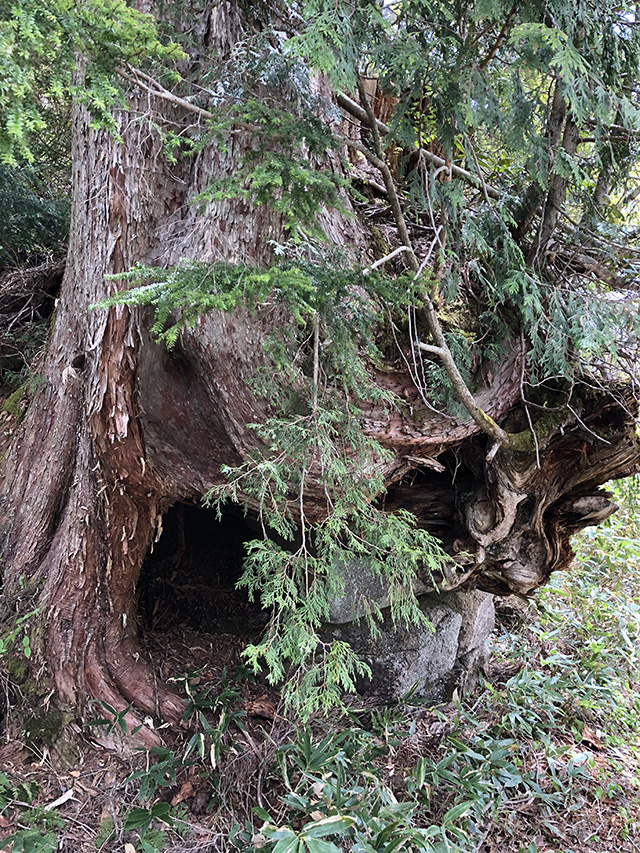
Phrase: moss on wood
(15,403)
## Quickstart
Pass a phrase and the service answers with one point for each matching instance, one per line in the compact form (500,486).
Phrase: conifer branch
(500,39)
(484,422)
(153,87)
(441,348)
(358,112)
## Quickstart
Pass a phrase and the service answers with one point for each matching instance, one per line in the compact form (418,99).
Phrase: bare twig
(358,146)
(582,423)
(144,81)
(387,177)
(316,359)
(441,348)
(386,258)
(526,406)
(358,112)
(478,170)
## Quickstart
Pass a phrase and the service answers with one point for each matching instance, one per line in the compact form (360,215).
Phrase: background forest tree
(391,257)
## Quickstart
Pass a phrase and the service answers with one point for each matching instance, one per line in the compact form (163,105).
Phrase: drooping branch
(153,87)
(350,106)
(483,421)
(441,349)
(495,47)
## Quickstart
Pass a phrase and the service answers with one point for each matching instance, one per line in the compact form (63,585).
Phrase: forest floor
(544,758)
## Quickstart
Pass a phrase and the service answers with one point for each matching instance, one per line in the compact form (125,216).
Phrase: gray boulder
(447,654)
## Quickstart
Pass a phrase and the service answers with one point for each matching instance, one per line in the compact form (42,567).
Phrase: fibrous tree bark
(122,428)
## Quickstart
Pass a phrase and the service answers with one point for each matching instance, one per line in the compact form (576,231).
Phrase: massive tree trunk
(121,428)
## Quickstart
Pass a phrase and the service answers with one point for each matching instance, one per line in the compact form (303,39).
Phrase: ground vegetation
(367,274)
(543,759)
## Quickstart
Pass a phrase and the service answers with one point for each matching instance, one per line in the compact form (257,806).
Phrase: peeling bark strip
(121,429)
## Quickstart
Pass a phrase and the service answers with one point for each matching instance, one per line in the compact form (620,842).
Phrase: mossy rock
(381,245)
(18,668)
(43,727)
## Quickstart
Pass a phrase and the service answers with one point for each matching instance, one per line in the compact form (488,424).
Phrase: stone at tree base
(440,659)
(359,586)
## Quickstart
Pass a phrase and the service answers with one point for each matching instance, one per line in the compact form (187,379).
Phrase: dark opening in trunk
(188,580)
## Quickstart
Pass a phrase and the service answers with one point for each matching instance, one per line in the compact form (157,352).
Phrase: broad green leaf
(327,826)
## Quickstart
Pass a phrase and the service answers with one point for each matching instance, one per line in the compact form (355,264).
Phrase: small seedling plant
(37,830)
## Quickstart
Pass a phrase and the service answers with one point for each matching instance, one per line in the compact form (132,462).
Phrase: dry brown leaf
(88,789)
(261,708)
(200,801)
(590,738)
(110,777)
(187,790)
